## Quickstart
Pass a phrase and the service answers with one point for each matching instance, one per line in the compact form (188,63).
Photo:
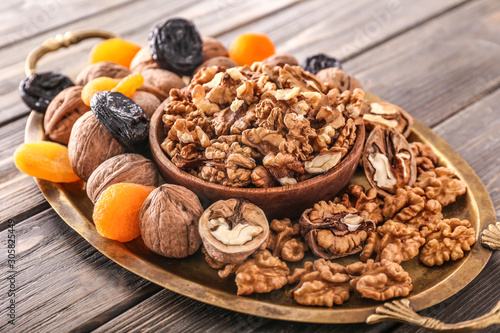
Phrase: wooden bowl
(276,202)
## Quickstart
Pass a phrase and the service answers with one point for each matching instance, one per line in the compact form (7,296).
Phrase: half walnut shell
(231,230)
(333,230)
(385,114)
(388,161)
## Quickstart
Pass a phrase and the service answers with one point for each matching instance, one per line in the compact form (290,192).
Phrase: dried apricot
(45,160)
(116,212)
(251,47)
(129,84)
(116,50)
(96,85)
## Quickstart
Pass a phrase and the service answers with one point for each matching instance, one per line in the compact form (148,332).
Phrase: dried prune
(320,61)
(176,46)
(38,90)
(122,117)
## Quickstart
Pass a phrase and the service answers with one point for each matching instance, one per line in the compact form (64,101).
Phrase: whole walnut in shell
(62,113)
(213,48)
(124,168)
(281,60)
(169,221)
(99,69)
(338,79)
(147,101)
(89,145)
(218,61)
(159,82)
(143,60)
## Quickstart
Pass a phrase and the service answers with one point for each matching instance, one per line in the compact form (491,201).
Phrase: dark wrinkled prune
(176,46)
(38,90)
(320,61)
(122,117)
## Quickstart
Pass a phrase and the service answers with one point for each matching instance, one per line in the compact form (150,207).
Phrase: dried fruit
(116,213)
(45,160)
(38,90)
(320,61)
(251,47)
(129,84)
(116,50)
(169,221)
(96,85)
(122,117)
(176,46)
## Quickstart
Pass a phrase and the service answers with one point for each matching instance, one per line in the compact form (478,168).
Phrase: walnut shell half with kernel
(123,168)
(232,230)
(90,144)
(388,161)
(169,221)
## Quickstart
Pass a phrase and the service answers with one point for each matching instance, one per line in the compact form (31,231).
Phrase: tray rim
(120,254)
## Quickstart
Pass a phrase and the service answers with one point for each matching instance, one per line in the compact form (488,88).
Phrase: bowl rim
(161,157)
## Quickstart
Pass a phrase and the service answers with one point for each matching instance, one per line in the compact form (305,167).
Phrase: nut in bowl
(283,201)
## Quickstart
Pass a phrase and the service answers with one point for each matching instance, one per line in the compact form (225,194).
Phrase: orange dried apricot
(117,50)
(251,47)
(129,84)
(45,160)
(116,212)
(96,85)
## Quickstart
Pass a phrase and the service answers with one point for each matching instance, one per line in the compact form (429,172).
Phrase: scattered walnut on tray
(261,274)
(321,283)
(380,280)
(446,240)
(262,125)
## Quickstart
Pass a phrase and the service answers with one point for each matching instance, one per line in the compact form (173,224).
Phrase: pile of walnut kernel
(382,226)
(262,125)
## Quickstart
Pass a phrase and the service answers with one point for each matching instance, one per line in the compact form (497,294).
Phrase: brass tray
(193,278)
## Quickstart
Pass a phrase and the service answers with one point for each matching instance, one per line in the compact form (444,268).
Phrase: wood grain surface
(438,60)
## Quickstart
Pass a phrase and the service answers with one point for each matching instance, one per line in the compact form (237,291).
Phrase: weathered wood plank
(341,28)
(439,68)
(62,281)
(167,311)
(18,192)
(34,17)
(209,16)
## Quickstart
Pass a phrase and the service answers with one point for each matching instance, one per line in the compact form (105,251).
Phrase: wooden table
(440,60)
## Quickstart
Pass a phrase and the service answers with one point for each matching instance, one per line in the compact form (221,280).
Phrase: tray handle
(402,312)
(59,41)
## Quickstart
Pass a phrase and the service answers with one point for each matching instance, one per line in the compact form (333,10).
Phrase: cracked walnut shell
(385,115)
(333,231)
(169,221)
(388,161)
(380,280)
(261,274)
(232,230)
(321,283)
